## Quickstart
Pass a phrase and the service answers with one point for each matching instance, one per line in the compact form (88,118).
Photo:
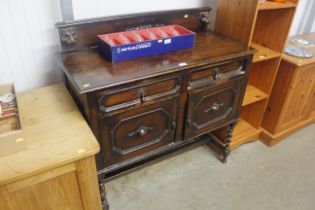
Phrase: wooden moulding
(270,139)
(11,138)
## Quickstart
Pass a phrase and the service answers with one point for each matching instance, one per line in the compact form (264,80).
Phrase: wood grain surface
(55,132)
(302,61)
(89,71)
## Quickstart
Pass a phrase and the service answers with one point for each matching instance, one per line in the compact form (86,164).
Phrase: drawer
(210,108)
(138,131)
(139,93)
(208,74)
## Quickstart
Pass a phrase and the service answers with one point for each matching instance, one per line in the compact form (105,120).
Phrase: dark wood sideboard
(144,108)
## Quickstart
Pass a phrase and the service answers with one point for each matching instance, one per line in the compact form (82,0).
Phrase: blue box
(139,43)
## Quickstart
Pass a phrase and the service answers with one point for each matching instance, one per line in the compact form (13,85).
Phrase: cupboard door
(296,108)
(210,108)
(139,131)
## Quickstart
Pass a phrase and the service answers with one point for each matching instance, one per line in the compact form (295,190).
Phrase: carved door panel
(209,108)
(139,131)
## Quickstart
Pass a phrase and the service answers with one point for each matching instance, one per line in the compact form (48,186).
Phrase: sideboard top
(89,71)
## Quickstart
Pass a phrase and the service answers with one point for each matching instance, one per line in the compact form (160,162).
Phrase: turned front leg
(220,141)
(105,205)
(229,135)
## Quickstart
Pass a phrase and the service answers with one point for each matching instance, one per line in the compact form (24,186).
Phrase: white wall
(28,41)
(28,38)
(96,8)
(304,20)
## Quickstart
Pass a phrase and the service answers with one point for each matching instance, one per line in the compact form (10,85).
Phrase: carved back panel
(82,34)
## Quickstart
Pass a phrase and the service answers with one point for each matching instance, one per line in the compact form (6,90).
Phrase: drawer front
(210,108)
(127,96)
(133,133)
(227,70)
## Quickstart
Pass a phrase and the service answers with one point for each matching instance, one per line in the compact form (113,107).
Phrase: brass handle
(141,94)
(218,75)
(141,131)
(188,122)
(215,107)
(216,72)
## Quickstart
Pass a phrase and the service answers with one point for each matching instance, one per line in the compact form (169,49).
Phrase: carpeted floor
(254,178)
